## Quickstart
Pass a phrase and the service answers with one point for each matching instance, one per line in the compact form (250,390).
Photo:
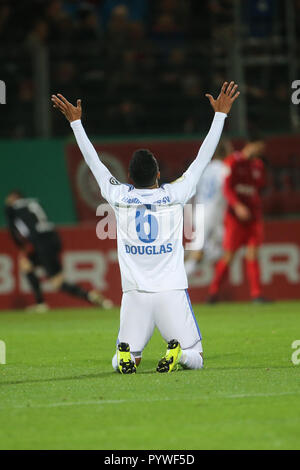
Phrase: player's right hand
(225,99)
(72,113)
(242,212)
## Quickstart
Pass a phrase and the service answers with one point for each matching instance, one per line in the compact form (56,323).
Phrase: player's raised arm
(99,170)
(222,106)
(186,186)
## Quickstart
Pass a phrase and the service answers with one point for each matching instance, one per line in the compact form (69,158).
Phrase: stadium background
(142,68)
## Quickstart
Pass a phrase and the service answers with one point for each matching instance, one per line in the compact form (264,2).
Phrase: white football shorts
(170,311)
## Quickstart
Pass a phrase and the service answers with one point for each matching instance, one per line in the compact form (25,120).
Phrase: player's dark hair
(16,192)
(143,168)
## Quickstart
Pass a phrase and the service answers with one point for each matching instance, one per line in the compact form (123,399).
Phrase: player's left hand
(72,113)
(226,98)
(242,212)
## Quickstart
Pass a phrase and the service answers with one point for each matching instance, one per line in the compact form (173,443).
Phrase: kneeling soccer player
(150,250)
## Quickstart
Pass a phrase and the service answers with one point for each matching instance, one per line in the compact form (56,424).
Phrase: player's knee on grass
(192,358)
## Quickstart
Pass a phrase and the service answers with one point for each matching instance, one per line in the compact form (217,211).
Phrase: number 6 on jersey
(143,221)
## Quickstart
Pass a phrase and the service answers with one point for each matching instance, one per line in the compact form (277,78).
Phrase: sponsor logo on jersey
(245,189)
(131,200)
(164,200)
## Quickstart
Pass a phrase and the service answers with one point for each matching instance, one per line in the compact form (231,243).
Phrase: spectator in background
(115,43)
(54,13)
(89,47)
(172,72)
(88,28)
(297,16)
(65,74)
(259,17)
(126,117)
(195,116)
(222,24)
(23,126)
(71,7)
(118,26)
(64,30)
(279,96)
(136,48)
(64,78)
(177,9)
(5,21)
(39,34)
(167,33)
(136,34)
(137,10)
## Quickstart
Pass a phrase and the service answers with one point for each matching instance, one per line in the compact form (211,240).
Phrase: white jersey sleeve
(109,186)
(184,188)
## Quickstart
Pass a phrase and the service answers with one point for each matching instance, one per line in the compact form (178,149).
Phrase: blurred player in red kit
(243,221)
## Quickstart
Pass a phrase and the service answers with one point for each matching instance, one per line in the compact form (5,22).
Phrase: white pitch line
(150,400)
(254,395)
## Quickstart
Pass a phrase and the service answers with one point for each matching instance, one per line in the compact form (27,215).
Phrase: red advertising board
(93,262)
(281,196)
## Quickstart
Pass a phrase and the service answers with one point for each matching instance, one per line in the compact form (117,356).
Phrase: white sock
(191,359)
(190,266)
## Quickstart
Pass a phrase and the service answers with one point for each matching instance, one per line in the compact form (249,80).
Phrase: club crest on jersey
(114,181)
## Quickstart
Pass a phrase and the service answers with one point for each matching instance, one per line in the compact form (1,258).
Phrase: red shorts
(239,234)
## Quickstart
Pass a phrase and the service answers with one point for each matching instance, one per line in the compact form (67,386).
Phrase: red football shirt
(245,179)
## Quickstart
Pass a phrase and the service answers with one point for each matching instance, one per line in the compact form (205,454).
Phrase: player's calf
(32,279)
(92,296)
(25,265)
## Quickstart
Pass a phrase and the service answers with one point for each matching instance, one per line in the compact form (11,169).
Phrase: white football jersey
(209,192)
(150,221)
(210,186)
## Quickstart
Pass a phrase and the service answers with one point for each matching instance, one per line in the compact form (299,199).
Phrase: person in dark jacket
(40,245)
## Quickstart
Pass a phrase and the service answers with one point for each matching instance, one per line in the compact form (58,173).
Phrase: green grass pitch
(58,390)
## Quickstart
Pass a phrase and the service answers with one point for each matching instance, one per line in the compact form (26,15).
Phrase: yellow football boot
(125,363)
(171,360)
